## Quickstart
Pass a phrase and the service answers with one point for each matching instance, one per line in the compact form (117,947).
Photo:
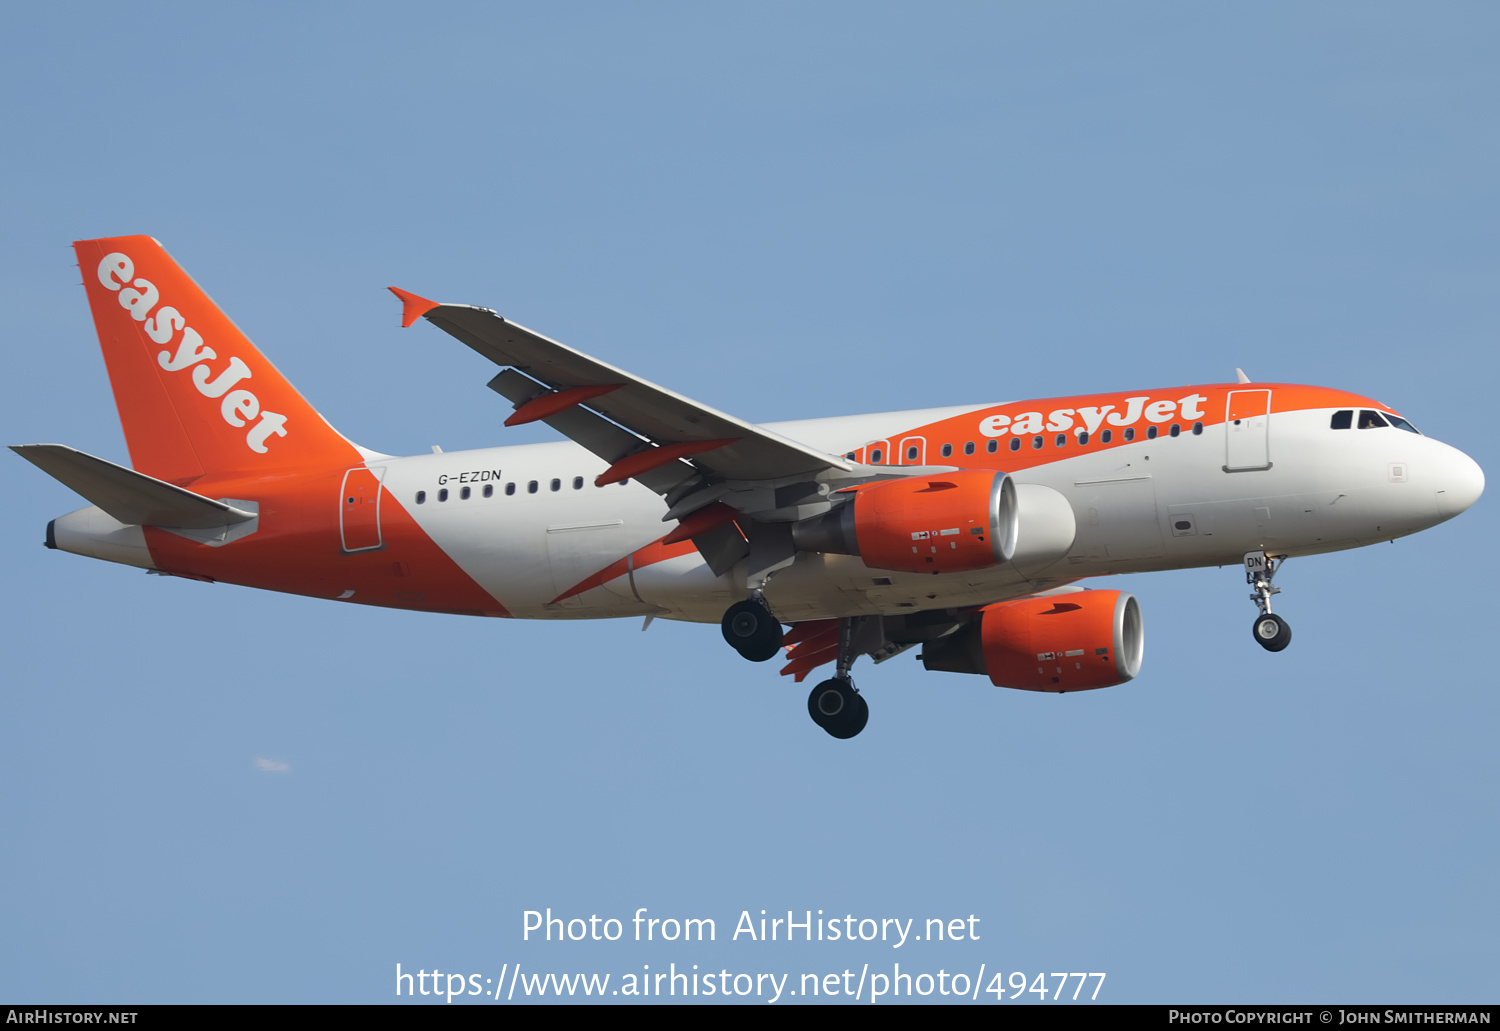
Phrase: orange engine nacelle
(947,523)
(1075,641)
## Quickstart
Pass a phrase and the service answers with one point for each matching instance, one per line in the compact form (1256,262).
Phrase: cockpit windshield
(1369,419)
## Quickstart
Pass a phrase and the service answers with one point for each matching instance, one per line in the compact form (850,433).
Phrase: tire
(751,630)
(1271,632)
(835,706)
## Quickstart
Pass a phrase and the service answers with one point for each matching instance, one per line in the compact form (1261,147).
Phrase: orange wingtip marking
(413,307)
(706,518)
(557,401)
(655,458)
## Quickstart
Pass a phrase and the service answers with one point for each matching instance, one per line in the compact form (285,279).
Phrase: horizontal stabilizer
(131,497)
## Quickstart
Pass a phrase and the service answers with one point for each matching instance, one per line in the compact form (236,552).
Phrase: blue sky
(784,211)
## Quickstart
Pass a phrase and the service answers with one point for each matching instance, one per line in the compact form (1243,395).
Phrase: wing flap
(132,498)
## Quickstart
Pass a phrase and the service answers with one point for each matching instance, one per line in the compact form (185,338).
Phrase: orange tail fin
(194,394)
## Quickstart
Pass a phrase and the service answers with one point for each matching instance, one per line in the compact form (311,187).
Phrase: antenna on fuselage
(1239,375)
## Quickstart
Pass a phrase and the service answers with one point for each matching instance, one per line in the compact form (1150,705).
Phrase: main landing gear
(838,708)
(835,704)
(751,630)
(1270,631)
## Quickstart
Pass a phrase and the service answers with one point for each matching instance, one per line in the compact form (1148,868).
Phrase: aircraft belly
(685,588)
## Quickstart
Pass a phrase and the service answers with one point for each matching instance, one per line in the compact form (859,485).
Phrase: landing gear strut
(1270,631)
(835,704)
(751,630)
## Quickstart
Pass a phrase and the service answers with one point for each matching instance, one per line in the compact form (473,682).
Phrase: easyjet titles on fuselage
(1061,419)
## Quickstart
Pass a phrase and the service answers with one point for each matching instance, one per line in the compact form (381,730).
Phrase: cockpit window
(1342,420)
(1402,424)
(1369,420)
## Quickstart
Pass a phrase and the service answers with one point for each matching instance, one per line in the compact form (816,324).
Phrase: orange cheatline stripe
(413,306)
(656,457)
(656,551)
(550,404)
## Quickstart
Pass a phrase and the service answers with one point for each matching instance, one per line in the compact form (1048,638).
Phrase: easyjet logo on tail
(238,406)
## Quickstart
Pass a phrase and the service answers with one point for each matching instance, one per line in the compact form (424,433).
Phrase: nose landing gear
(1270,631)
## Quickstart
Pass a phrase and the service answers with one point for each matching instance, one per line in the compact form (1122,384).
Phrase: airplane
(962,531)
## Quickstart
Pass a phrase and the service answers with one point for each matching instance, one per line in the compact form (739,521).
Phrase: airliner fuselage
(957,529)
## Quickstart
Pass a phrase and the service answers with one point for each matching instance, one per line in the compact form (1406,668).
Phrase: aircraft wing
(643,430)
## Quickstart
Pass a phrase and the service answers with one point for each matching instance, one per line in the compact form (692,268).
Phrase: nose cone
(1459,484)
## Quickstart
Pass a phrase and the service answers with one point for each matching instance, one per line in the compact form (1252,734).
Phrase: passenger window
(1369,420)
(911,454)
(875,456)
(851,455)
(578,483)
(1061,441)
(1342,420)
(992,446)
(1197,429)
(1083,438)
(510,488)
(531,487)
(969,447)
(1036,442)
(1106,436)
(421,497)
(1015,443)
(489,490)
(443,494)
(1176,429)
(463,494)
(1129,433)
(1151,433)
(947,450)
(557,485)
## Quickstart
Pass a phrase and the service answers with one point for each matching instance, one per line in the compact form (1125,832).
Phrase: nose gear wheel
(1270,631)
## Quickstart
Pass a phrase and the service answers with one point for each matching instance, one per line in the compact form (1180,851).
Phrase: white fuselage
(1152,504)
